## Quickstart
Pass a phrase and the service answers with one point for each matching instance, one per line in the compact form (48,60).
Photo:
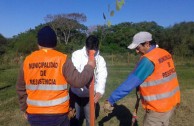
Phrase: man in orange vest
(42,82)
(156,77)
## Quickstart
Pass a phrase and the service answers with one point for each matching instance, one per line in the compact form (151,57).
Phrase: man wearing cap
(42,82)
(156,77)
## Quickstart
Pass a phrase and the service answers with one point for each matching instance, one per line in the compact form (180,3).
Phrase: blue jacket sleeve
(144,68)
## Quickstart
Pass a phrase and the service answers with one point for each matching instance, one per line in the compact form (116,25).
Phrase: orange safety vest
(160,91)
(45,84)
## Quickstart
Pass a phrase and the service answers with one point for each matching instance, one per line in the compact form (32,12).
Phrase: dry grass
(121,116)
(183,115)
(10,114)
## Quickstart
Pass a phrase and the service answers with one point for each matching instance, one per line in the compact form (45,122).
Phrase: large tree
(66,25)
(3,43)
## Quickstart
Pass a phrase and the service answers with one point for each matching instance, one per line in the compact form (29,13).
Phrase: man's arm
(100,78)
(75,78)
(21,90)
(144,68)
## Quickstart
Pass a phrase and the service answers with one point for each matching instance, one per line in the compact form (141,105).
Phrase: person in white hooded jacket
(79,97)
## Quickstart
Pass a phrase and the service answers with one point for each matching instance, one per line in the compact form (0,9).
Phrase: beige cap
(139,38)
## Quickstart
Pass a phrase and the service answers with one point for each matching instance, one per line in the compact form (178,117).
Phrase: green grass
(185,76)
(10,114)
(116,75)
(7,85)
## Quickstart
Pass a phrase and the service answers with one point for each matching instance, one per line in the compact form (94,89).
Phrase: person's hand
(97,97)
(92,63)
(25,115)
(71,113)
(108,108)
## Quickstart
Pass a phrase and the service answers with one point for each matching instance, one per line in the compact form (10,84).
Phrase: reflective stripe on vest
(46,87)
(160,91)
(157,82)
(161,96)
(48,102)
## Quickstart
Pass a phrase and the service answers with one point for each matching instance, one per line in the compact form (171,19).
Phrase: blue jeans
(48,120)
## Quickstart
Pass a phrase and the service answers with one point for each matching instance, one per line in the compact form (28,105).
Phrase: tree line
(71,34)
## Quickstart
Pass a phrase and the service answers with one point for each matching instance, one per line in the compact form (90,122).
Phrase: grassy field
(10,114)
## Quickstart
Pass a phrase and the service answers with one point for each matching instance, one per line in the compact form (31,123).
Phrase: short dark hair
(92,43)
(152,42)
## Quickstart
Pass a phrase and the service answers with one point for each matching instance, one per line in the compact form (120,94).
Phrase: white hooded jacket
(80,59)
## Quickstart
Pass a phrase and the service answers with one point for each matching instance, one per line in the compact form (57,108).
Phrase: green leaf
(112,13)
(109,23)
(119,4)
(104,16)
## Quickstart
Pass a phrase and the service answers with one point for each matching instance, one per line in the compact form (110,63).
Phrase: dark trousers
(48,120)
(81,104)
